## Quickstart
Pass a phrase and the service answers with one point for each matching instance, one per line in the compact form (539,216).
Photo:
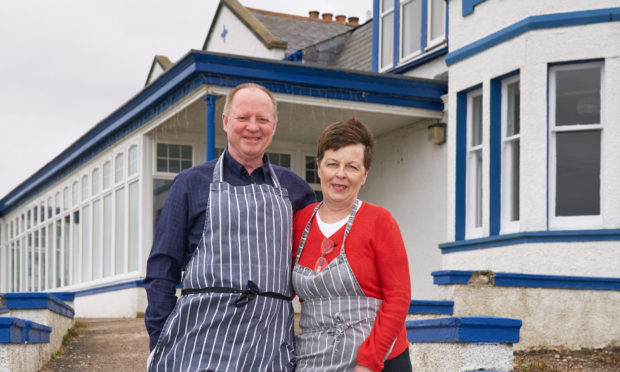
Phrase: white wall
(408,177)
(239,39)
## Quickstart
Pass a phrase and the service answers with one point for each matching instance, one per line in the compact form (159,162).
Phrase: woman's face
(342,173)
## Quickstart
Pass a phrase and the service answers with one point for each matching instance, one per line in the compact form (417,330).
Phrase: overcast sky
(67,64)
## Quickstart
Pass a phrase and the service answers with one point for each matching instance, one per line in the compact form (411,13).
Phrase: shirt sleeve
(393,270)
(166,260)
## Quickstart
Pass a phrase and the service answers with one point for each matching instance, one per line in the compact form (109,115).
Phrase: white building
(525,183)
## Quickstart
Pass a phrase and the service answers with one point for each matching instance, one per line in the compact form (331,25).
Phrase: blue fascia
(447,277)
(198,68)
(525,237)
(38,300)
(429,57)
(65,296)
(109,288)
(468,6)
(488,329)
(19,331)
(538,22)
(431,307)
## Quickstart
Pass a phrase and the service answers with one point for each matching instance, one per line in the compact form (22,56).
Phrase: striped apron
(235,313)
(336,316)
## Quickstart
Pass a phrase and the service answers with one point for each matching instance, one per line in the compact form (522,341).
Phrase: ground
(122,345)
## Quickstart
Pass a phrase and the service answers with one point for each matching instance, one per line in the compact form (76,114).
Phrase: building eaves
(250,21)
(199,68)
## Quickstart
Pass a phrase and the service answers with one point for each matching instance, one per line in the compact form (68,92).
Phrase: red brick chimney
(314,14)
(327,16)
(354,21)
(342,19)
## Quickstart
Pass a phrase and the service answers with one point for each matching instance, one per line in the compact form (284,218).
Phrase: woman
(351,270)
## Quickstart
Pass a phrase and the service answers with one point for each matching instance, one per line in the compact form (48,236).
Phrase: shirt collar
(237,168)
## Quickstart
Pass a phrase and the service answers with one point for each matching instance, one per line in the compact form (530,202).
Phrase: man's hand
(359,368)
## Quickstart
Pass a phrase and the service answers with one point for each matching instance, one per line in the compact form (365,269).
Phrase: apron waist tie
(247,295)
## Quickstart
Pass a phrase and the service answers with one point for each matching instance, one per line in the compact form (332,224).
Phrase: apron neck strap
(218,172)
(304,237)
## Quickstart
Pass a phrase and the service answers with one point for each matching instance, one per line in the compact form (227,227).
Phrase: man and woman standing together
(248,236)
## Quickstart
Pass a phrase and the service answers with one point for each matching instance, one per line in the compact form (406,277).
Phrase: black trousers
(401,363)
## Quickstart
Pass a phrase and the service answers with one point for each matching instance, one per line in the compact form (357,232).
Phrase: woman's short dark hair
(344,133)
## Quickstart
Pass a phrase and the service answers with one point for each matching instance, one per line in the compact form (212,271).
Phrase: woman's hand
(359,368)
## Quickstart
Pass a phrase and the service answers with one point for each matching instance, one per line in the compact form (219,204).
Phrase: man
(227,224)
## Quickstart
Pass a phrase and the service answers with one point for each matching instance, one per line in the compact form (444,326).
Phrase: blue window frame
(406,29)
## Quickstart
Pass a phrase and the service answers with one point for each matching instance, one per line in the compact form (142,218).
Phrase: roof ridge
(305,18)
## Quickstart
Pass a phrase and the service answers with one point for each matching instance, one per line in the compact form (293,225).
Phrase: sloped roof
(298,32)
(161,61)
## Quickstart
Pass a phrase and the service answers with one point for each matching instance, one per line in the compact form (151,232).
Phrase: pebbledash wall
(541,198)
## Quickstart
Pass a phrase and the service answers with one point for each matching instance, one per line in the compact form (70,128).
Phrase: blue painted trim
(468,6)
(198,68)
(109,288)
(65,296)
(210,130)
(396,51)
(375,35)
(548,205)
(297,56)
(20,331)
(461,165)
(495,157)
(419,61)
(445,277)
(431,307)
(531,237)
(464,329)
(38,300)
(539,22)
(424,25)
(447,24)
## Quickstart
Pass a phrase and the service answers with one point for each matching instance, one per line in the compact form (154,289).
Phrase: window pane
(84,188)
(578,181)
(438,19)
(160,192)
(58,248)
(162,150)
(162,164)
(578,96)
(65,199)
(186,152)
(66,249)
(29,263)
(86,244)
(43,255)
(119,232)
(97,239)
(174,165)
(174,151)
(35,214)
(95,181)
(42,211)
(311,171)
(50,256)
(478,188)
(476,121)
(119,171)
(387,5)
(133,160)
(134,227)
(411,27)
(107,174)
(514,148)
(513,124)
(185,164)
(387,40)
(76,248)
(107,235)
(75,194)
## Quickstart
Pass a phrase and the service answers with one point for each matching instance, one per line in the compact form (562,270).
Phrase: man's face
(250,126)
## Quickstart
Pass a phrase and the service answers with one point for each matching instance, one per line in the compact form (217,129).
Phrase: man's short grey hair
(231,95)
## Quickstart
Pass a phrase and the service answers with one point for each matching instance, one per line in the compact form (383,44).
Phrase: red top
(377,255)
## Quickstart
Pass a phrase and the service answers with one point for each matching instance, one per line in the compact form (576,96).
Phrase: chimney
(314,14)
(354,21)
(327,17)
(342,19)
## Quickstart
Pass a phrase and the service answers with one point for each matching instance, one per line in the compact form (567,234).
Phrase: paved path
(105,345)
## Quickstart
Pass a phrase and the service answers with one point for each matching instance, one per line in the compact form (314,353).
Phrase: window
(173,158)
(97,227)
(133,161)
(576,129)
(119,168)
(386,26)
(85,188)
(75,194)
(311,175)
(511,153)
(411,31)
(85,244)
(65,199)
(107,235)
(420,27)
(281,159)
(119,253)
(160,193)
(133,228)
(474,164)
(95,181)
(107,174)
(76,248)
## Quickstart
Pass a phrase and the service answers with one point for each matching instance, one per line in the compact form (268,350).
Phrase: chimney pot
(342,19)
(327,16)
(354,20)
(314,14)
